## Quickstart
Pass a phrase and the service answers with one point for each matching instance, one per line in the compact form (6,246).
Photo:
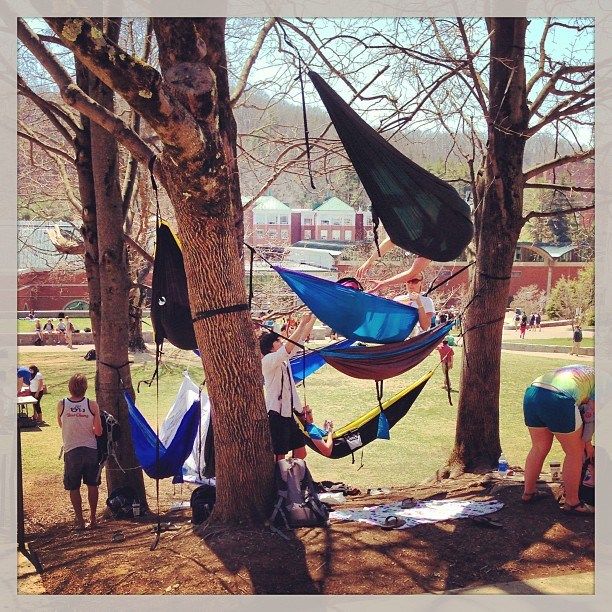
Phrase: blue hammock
(172,457)
(303,366)
(354,314)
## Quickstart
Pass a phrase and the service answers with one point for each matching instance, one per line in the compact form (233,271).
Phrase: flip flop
(573,510)
(393,522)
(409,502)
(485,521)
(534,498)
(118,536)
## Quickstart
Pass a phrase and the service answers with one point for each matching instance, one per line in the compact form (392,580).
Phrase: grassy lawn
(25,325)
(419,443)
(586,342)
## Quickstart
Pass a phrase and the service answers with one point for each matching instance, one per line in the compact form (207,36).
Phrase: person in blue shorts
(321,438)
(560,404)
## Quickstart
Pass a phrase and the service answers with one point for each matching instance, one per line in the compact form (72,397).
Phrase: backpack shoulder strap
(63,407)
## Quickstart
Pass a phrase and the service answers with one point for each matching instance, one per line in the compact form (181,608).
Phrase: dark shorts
(552,409)
(286,435)
(81,462)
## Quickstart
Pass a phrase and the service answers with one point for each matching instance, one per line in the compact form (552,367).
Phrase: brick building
(270,222)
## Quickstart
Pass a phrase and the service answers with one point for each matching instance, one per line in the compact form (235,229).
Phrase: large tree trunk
(205,193)
(498,221)
(113,372)
(87,195)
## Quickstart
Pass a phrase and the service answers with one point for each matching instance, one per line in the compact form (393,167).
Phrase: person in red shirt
(446,357)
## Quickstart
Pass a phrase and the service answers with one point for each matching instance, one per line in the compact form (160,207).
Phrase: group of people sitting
(48,332)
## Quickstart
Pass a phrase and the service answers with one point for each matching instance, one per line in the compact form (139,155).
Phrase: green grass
(420,442)
(586,342)
(25,325)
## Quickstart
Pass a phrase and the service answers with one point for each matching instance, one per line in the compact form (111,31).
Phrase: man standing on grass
(79,420)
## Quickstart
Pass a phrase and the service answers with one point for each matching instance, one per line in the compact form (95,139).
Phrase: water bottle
(502,466)
(136,508)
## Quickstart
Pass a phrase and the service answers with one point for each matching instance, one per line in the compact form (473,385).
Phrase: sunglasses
(412,281)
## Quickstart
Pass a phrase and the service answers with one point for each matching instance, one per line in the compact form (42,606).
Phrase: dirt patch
(345,558)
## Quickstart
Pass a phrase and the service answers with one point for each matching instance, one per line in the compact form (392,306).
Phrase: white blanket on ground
(426,511)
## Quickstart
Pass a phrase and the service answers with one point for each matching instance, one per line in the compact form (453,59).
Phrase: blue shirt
(315,433)
(23,372)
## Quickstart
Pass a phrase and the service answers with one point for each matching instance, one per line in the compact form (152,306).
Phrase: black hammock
(170,312)
(364,429)
(420,212)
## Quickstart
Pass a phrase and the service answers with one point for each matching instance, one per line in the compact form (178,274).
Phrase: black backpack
(120,502)
(577,335)
(111,434)
(586,490)
(202,502)
(298,503)
(90,355)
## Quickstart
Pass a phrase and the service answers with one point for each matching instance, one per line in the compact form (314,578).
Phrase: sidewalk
(567,584)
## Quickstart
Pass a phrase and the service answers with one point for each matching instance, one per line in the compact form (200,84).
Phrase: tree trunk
(206,196)
(88,202)
(136,341)
(113,373)
(498,221)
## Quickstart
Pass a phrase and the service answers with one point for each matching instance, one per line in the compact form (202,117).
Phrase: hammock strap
(251,292)
(157,443)
(379,392)
(205,314)
(299,78)
(305,120)
(448,278)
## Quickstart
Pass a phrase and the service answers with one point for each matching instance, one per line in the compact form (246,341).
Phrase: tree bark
(113,371)
(206,196)
(82,145)
(497,221)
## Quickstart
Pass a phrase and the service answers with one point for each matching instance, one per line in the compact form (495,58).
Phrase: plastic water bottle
(502,466)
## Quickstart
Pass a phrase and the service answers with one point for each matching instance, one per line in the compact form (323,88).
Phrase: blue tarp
(354,314)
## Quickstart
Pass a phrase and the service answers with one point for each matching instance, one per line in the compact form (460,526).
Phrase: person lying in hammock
(321,438)
(415,270)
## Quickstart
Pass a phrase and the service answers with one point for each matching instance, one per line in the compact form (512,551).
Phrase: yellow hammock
(364,429)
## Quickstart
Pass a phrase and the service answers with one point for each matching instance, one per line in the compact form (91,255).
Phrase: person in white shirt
(79,420)
(422,303)
(37,389)
(282,399)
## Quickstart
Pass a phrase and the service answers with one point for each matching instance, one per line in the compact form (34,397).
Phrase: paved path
(567,584)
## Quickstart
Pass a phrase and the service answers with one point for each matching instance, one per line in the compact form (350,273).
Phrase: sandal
(533,498)
(118,536)
(585,509)
(485,521)
(393,522)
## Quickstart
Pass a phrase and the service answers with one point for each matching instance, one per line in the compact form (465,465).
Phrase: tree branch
(246,69)
(138,83)
(555,163)
(554,213)
(42,145)
(80,101)
(559,187)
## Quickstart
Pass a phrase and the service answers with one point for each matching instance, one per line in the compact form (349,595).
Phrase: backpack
(120,502)
(202,502)
(578,335)
(108,439)
(90,355)
(298,504)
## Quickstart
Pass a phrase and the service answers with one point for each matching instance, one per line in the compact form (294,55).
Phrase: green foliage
(570,296)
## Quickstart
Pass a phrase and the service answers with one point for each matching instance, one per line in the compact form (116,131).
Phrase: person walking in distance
(576,339)
(79,420)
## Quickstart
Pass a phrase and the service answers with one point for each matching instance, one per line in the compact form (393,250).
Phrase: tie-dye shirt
(577,381)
